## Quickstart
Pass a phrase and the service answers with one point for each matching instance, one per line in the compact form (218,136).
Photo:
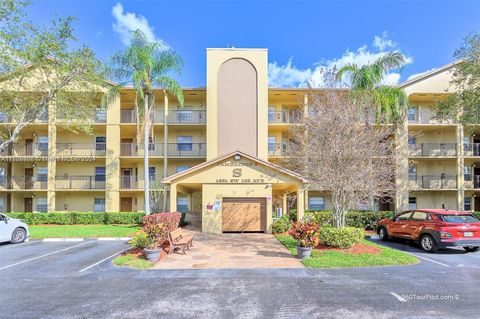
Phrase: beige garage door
(243,214)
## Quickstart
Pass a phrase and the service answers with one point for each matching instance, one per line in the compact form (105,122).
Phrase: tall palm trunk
(146,133)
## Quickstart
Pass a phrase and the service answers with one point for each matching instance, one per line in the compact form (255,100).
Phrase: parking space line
(101,261)
(431,260)
(45,255)
(16,245)
(398,297)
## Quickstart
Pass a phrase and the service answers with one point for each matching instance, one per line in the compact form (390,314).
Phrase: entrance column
(284,204)
(173,197)
(300,203)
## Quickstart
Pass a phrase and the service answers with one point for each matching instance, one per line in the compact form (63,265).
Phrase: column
(112,162)
(460,168)
(300,203)
(51,159)
(401,167)
(165,147)
(284,204)
(173,197)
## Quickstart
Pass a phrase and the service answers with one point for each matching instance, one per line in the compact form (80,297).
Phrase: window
(184,143)
(43,144)
(419,216)
(2,205)
(182,204)
(185,115)
(412,172)
(41,204)
(412,113)
(461,219)
(412,140)
(467,204)
(316,202)
(467,173)
(151,173)
(467,145)
(152,143)
(404,216)
(101,115)
(271,114)
(100,174)
(100,143)
(181,168)
(2,175)
(99,204)
(412,203)
(42,174)
(271,143)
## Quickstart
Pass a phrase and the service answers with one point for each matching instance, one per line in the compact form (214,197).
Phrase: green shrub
(182,220)
(140,241)
(359,219)
(477,214)
(340,237)
(79,218)
(281,225)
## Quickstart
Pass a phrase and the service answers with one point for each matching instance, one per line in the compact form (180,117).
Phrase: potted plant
(153,229)
(306,235)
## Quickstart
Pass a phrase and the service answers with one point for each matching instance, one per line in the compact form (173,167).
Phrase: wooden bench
(178,240)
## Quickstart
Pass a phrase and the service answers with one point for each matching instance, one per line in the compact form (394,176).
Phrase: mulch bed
(354,250)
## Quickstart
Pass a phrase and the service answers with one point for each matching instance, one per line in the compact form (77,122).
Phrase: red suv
(433,228)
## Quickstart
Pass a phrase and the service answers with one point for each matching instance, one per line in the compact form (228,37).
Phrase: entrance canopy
(240,183)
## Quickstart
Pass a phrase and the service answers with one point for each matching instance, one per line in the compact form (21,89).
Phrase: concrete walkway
(231,251)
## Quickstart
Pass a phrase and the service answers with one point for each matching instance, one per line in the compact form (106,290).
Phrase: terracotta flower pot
(304,252)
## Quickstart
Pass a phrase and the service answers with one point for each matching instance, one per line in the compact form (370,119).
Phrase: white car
(13,230)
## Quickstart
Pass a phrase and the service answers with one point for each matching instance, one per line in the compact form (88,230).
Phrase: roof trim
(429,74)
(197,167)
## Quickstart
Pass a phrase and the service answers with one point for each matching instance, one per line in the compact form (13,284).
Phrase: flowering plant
(305,233)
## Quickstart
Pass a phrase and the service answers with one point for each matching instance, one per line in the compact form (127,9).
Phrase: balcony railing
(427,117)
(433,149)
(97,116)
(433,182)
(138,182)
(32,149)
(134,149)
(79,182)
(283,117)
(471,149)
(81,149)
(187,117)
(186,149)
(27,182)
(129,116)
(277,149)
(43,118)
(471,181)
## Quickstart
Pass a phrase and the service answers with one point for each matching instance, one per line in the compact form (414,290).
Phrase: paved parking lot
(77,280)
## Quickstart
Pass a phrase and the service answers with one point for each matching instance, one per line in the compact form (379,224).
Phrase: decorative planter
(152,254)
(304,252)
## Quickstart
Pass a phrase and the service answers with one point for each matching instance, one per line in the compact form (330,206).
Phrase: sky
(302,37)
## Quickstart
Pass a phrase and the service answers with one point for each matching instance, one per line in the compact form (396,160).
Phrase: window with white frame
(42,144)
(42,174)
(2,205)
(182,204)
(412,172)
(467,204)
(152,143)
(412,203)
(184,143)
(2,176)
(412,113)
(99,204)
(100,143)
(271,143)
(100,174)
(41,204)
(467,173)
(316,202)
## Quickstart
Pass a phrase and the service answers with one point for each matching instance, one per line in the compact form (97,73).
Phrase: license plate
(468,234)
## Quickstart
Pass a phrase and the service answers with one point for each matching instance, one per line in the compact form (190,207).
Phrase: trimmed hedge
(358,219)
(340,237)
(281,225)
(80,218)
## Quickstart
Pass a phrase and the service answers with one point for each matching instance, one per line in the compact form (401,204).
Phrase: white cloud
(127,22)
(415,75)
(290,76)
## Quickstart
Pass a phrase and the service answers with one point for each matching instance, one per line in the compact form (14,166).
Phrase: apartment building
(220,153)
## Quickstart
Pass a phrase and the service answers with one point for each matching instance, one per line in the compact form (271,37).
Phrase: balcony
(129,116)
(43,118)
(277,149)
(97,116)
(81,149)
(433,150)
(471,149)
(27,149)
(186,149)
(134,149)
(26,182)
(138,182)
(471,181)
(432,182)
(186,117)
(283,117)
(426,117)
(79,182)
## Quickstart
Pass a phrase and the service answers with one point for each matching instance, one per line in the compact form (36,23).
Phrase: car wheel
(382,233)
(471,249)
(19,235)
(428,243)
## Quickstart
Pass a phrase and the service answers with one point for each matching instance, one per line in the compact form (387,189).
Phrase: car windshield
(459,218)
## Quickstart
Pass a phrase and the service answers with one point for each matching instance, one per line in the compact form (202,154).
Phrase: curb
(82,239)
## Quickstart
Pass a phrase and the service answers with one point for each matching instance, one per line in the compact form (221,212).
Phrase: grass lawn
(334,259)
(50,231)
(133,261)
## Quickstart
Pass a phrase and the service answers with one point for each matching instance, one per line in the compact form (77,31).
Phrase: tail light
(445,235)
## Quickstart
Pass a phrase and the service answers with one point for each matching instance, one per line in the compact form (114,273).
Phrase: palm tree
(390,102)
(147,66)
